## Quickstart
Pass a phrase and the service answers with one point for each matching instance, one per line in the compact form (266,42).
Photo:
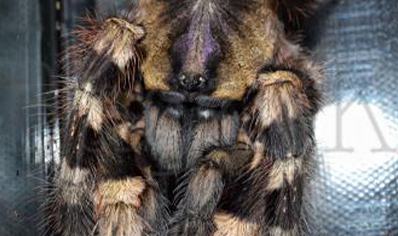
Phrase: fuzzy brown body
(187,117)
(178,135)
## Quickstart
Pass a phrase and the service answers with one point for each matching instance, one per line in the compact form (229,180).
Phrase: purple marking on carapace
(199,43)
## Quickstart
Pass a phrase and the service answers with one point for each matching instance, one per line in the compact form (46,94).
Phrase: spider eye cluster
(192,83)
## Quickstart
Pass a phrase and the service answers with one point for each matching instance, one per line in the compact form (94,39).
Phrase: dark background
(356,180)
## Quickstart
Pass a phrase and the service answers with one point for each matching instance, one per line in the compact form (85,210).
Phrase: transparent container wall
(355,186)
(20,83)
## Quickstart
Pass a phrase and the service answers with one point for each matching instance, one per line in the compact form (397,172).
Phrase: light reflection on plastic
(357,172)
(358,136)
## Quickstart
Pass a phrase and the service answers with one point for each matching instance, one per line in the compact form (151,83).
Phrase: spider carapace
(187,117)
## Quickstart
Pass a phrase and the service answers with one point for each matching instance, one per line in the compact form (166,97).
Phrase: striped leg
(202,191)
(130,206)
(283,109)
(104,185)
(69,207)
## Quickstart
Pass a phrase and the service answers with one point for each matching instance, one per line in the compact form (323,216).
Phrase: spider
(188,117)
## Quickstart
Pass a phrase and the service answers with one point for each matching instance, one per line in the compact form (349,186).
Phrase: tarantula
(187,117)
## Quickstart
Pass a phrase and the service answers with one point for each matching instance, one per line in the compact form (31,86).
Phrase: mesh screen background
(356,182)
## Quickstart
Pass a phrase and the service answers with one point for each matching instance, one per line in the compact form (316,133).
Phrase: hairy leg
(203,188)
(69,207)
(280,123)
(129,206)
(104,184)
